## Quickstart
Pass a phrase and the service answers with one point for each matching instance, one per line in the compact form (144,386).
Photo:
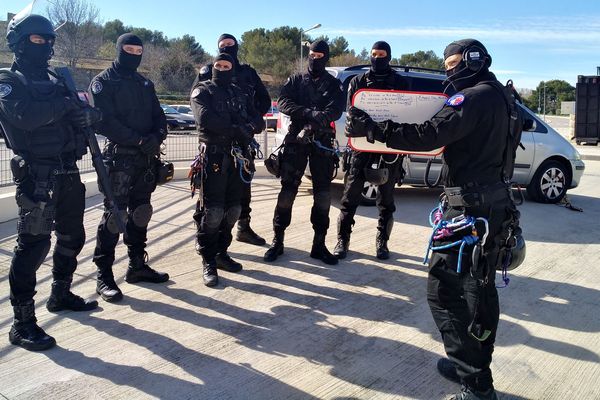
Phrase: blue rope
(505,277)
(241,165)
(237,153)
(254,145)
(320,146)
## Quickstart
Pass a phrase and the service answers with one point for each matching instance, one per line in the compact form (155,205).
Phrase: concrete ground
(298,329)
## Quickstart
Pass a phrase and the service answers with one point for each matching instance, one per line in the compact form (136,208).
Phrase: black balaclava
(125,62)
(223,78)
(461,76)
(32,56)
(231,50)
(316,67)
(381,65)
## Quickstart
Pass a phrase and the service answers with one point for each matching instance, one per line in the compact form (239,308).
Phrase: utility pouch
(165,172)
(19,168)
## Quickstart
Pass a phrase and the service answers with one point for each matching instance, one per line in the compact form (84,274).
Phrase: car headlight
(577,156)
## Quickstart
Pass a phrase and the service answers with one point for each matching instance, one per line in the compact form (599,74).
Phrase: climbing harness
(460,225)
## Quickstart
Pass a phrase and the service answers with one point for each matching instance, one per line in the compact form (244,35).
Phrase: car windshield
(184,109)
(169,110)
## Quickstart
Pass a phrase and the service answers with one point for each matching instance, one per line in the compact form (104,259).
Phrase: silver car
(547,166)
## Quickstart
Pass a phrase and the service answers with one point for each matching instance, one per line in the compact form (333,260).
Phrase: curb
(590,157)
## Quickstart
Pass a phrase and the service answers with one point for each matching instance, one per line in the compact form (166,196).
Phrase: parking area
(298,329)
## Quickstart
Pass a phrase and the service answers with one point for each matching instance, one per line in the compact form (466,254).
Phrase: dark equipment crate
(587,110)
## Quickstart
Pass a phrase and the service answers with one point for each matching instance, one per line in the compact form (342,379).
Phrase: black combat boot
(61,298)
(227,263)
(247,235)
(466,393)
(139,271)
(384,230)
(381,249)
(341,248)
(447,369)
(209,274)
(320,252)
(106,286)
(276,248)
(25,331)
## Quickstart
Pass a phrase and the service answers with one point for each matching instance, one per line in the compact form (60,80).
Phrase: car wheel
(550,182)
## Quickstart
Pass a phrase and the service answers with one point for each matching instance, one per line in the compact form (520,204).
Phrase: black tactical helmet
(517,253)
(20,28)
(377,176)
(272,164)
(514,255)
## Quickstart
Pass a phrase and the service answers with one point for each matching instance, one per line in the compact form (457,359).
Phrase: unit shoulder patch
(96,87)
(456,100)
(5,90)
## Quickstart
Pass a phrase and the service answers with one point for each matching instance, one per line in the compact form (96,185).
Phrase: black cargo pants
(294,159)
(222,191)
(63,212)
(454,298)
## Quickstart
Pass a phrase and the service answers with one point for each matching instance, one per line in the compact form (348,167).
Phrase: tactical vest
(243,78)
(224,100)
(48,141)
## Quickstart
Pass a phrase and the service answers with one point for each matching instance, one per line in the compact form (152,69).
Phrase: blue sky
(530,41)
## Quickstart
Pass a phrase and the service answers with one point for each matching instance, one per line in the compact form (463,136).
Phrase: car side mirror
(529,125)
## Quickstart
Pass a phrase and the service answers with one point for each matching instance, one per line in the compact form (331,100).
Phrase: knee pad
(233,214)
(213,217)
(111,221)
(70,245)
(141,215)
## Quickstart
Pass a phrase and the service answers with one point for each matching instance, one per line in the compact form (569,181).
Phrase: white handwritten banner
(399,106)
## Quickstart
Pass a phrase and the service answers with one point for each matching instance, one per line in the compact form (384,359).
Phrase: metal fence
(178,147)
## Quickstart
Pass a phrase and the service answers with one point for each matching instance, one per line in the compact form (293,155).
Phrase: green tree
(156,38)
(555,92)
(338,46)
(187,43)
(112,30)
(349,59)
(271,52)
(423,59)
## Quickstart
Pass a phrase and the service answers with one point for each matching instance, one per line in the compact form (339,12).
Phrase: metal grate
(179,147)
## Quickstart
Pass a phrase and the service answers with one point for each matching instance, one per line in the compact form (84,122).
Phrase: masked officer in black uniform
(42,126)
(226,122)
(135,126)
(388,167)
(248,80)
(313,101)
(475,126)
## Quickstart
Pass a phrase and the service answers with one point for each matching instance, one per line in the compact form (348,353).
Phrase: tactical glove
(361,124)
(83,117)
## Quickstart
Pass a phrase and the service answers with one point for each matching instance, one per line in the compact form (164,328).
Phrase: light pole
(544,101)
(302,31)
